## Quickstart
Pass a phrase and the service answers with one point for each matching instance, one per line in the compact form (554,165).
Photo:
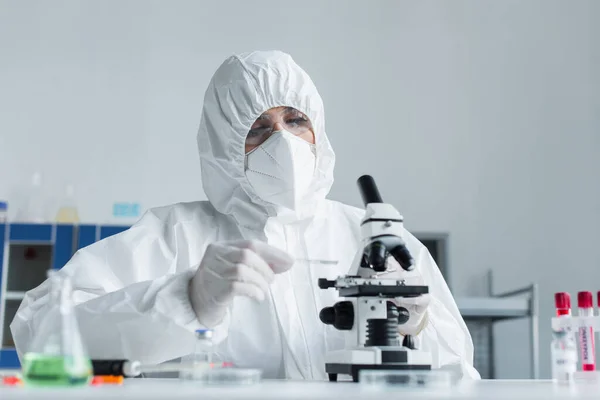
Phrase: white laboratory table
(145,389)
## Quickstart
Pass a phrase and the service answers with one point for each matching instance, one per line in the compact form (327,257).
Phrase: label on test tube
(585,303)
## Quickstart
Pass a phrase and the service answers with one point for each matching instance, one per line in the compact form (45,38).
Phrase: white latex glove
(417,310)
(229,269)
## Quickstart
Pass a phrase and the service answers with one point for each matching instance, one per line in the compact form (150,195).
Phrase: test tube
(585,303)
(564,357)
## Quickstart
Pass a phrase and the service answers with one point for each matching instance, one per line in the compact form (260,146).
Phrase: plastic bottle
(57,356)
(67,213)
(3,212)
(204,347)
(33,209)
(564,357)
(202,357)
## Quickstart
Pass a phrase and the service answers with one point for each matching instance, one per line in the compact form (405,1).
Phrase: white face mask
(281,169)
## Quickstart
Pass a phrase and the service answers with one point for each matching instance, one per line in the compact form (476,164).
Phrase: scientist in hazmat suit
(237,262)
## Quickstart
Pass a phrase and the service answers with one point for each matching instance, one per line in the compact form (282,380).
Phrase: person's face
(277,119)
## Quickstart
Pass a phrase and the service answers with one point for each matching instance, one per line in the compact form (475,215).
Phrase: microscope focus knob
(403,315)
(341,315)
(408,342)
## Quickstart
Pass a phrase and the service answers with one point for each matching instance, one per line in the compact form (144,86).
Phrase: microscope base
(333,370)
(352,361)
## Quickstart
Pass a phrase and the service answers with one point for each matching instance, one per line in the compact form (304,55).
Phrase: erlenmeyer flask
(57,356)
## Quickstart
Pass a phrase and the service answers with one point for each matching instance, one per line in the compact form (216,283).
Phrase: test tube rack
(571,324)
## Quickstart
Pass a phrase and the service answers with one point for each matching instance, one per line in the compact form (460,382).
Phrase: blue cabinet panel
(30,232)
(86,235)
(9,359)
(109,230)
(63,245)
(65,239)
(2,237)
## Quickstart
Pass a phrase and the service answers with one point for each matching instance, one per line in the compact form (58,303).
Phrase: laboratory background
(480,121)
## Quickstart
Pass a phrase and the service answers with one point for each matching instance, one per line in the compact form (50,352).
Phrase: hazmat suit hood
(242,88)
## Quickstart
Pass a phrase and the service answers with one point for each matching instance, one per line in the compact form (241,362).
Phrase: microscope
(368,316)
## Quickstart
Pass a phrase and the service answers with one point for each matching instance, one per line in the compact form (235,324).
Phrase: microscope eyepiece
(368,190)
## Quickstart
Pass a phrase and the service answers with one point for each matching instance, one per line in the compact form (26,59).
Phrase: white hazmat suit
(131,289)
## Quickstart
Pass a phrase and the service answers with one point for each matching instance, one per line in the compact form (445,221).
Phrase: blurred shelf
(493,308)
(12,295)
(508,305)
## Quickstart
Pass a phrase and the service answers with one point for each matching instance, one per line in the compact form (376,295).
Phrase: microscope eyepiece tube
(368,190)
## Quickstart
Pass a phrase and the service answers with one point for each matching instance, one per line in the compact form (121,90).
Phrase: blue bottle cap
(3,205)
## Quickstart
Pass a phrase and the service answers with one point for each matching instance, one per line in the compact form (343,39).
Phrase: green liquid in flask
(57,356)
(50,370)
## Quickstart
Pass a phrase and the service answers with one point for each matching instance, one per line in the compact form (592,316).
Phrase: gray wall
(478,118)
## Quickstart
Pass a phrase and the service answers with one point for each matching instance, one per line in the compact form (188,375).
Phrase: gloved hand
(229,269)
(417,310)
(416,306)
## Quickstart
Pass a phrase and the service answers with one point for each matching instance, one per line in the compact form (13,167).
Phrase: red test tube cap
(562,302)
(585,300)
